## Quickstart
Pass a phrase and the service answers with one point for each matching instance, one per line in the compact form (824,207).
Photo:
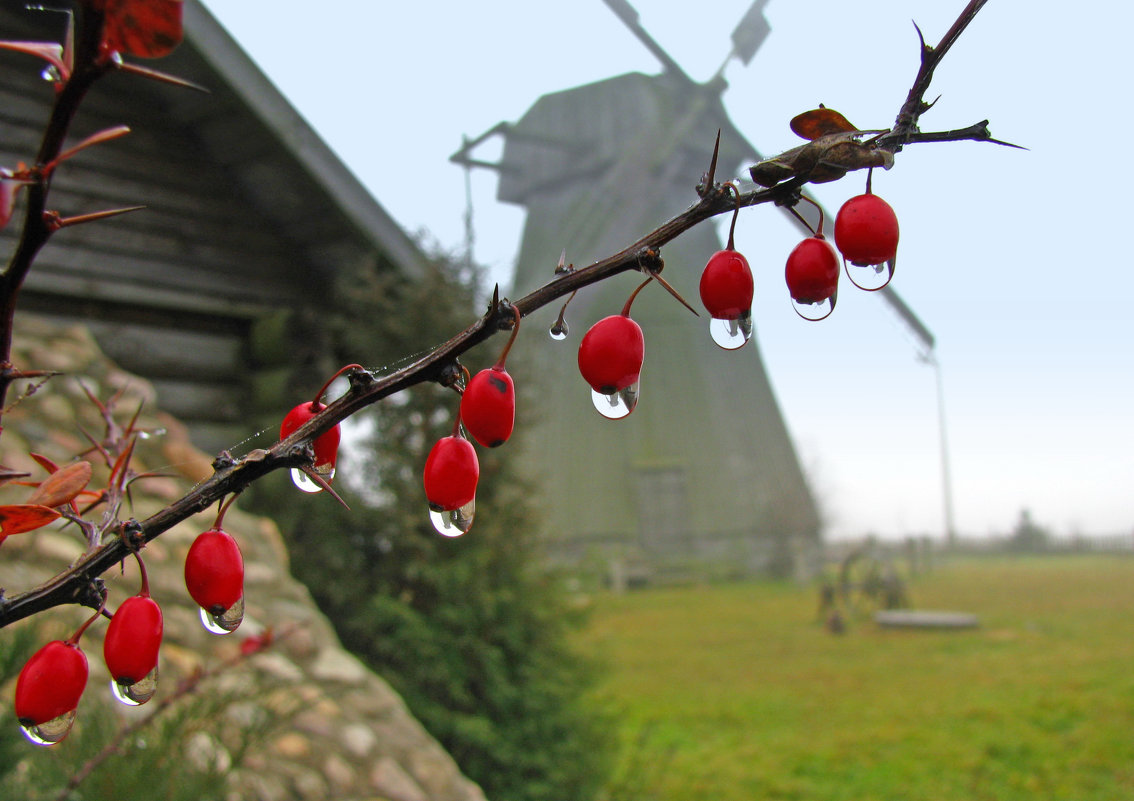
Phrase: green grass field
(736,692)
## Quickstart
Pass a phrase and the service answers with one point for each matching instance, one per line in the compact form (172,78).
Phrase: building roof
(247,212)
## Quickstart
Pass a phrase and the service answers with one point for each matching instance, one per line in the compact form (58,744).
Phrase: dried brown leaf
(820,122)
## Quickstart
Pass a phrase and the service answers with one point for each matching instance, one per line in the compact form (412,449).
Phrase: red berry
(133,639)
(611,354)
(326,446)
(488,407)
(451,473)
(51,683)
(726,285)
(812,271)
(866,230)
(214,571)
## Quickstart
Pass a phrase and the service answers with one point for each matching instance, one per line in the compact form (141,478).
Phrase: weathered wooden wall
(247,213)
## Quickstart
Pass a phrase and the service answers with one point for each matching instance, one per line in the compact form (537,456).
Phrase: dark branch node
(224,461)
(359,378)
(92,593)
(650,261)
(505,316)
(450,374)
(788,195)
(299,454)
(132,535)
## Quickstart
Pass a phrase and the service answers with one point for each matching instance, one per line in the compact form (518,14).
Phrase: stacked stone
(338,729)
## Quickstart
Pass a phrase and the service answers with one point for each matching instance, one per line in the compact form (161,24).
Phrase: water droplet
(453,523)
(815,311)
(137,693)
(870,277)
(304,482)
(51,75)
(731,334)
(559,330)
(226,622)
(157,432)
(51,732)
(618,404)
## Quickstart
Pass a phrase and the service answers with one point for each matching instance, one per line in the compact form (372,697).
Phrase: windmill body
(704,471)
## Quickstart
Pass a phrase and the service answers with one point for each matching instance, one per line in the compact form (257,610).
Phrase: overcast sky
(1015,260)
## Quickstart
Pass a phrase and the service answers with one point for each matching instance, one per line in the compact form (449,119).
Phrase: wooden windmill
(703,473)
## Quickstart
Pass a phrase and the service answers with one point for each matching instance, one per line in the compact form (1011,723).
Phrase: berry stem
(736,213)
(802,219)
(145,591)
(74,638)
(560,321)
(515,330)
(819,232)
(318,396)
(219,522)
(634,294)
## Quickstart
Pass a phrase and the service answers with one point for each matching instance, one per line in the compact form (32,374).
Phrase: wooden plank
(94,266)
(192,401)
(154,352)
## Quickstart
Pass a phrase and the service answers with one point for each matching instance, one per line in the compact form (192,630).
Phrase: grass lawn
(735,692)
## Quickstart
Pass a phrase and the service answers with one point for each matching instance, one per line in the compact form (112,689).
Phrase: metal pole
(946,474)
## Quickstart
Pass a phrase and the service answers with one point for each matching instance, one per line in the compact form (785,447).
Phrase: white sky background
(1016,260)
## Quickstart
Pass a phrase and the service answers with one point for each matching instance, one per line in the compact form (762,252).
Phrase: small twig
(908,115)
(978,132)
(36,230)
(31,389)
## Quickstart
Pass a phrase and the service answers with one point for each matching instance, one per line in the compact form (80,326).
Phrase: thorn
(710,176)
(133,420)
(55,222)
(1006,144)
(651,263)
(146,72)
(50,52)
(322,482)
(94,139)
(8,474)
(675,293)
(926,50)
(559,267)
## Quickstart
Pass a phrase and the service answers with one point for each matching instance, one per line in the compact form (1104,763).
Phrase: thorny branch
(905,125)
(232,475)
(36,228)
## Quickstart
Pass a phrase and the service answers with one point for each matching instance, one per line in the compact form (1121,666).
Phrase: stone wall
(346,734)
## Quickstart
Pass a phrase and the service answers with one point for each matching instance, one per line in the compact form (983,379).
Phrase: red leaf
(19,518)
(143,28)
(44,462)
(62,486)
(820,122)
